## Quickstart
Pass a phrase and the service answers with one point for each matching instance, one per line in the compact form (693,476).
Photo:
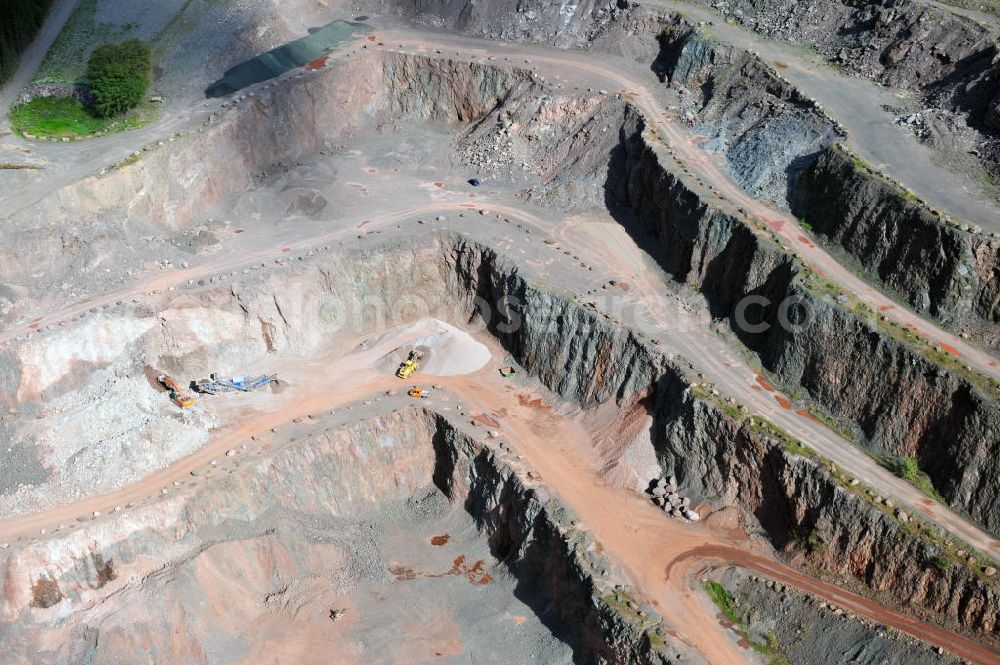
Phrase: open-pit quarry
(700,377)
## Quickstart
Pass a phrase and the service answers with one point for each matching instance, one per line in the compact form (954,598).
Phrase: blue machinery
(229,384)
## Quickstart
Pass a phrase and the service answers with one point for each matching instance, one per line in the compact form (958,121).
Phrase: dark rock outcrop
(902,403)
(937,268)
(766,129)
(952,61)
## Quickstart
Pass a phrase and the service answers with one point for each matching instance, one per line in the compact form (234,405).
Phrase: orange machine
(177,394)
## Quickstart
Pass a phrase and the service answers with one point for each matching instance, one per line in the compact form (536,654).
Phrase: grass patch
(623,602)
(65,117)
(727,605)
(943,562)
(908,469)
(724,601)
(7,166)
(54,117)
(131,159)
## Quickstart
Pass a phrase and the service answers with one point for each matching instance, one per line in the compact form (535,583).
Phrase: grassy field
(58,117)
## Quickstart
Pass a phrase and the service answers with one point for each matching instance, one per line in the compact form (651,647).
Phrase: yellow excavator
(408,366)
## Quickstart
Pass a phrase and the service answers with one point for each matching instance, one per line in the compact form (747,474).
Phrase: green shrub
(119,76)
(943,562)
(907,469)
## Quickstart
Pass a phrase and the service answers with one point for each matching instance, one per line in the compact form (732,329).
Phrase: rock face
(940,270)
(766,129)
(901,403)
(574,353)
(556,145)
(587,360)
(952,61)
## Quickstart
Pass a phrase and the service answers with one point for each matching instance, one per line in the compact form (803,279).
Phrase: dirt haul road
(680,331)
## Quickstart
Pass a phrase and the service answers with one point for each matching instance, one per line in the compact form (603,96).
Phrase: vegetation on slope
(119,77)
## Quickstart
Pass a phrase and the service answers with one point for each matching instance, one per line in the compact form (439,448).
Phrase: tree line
(19,21)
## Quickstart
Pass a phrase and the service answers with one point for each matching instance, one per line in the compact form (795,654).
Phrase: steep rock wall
(939,269)
(583,358)
(574,353)
(766,129)
(556,145)
(902,403)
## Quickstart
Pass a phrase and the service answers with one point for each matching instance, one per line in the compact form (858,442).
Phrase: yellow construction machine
(408,366)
